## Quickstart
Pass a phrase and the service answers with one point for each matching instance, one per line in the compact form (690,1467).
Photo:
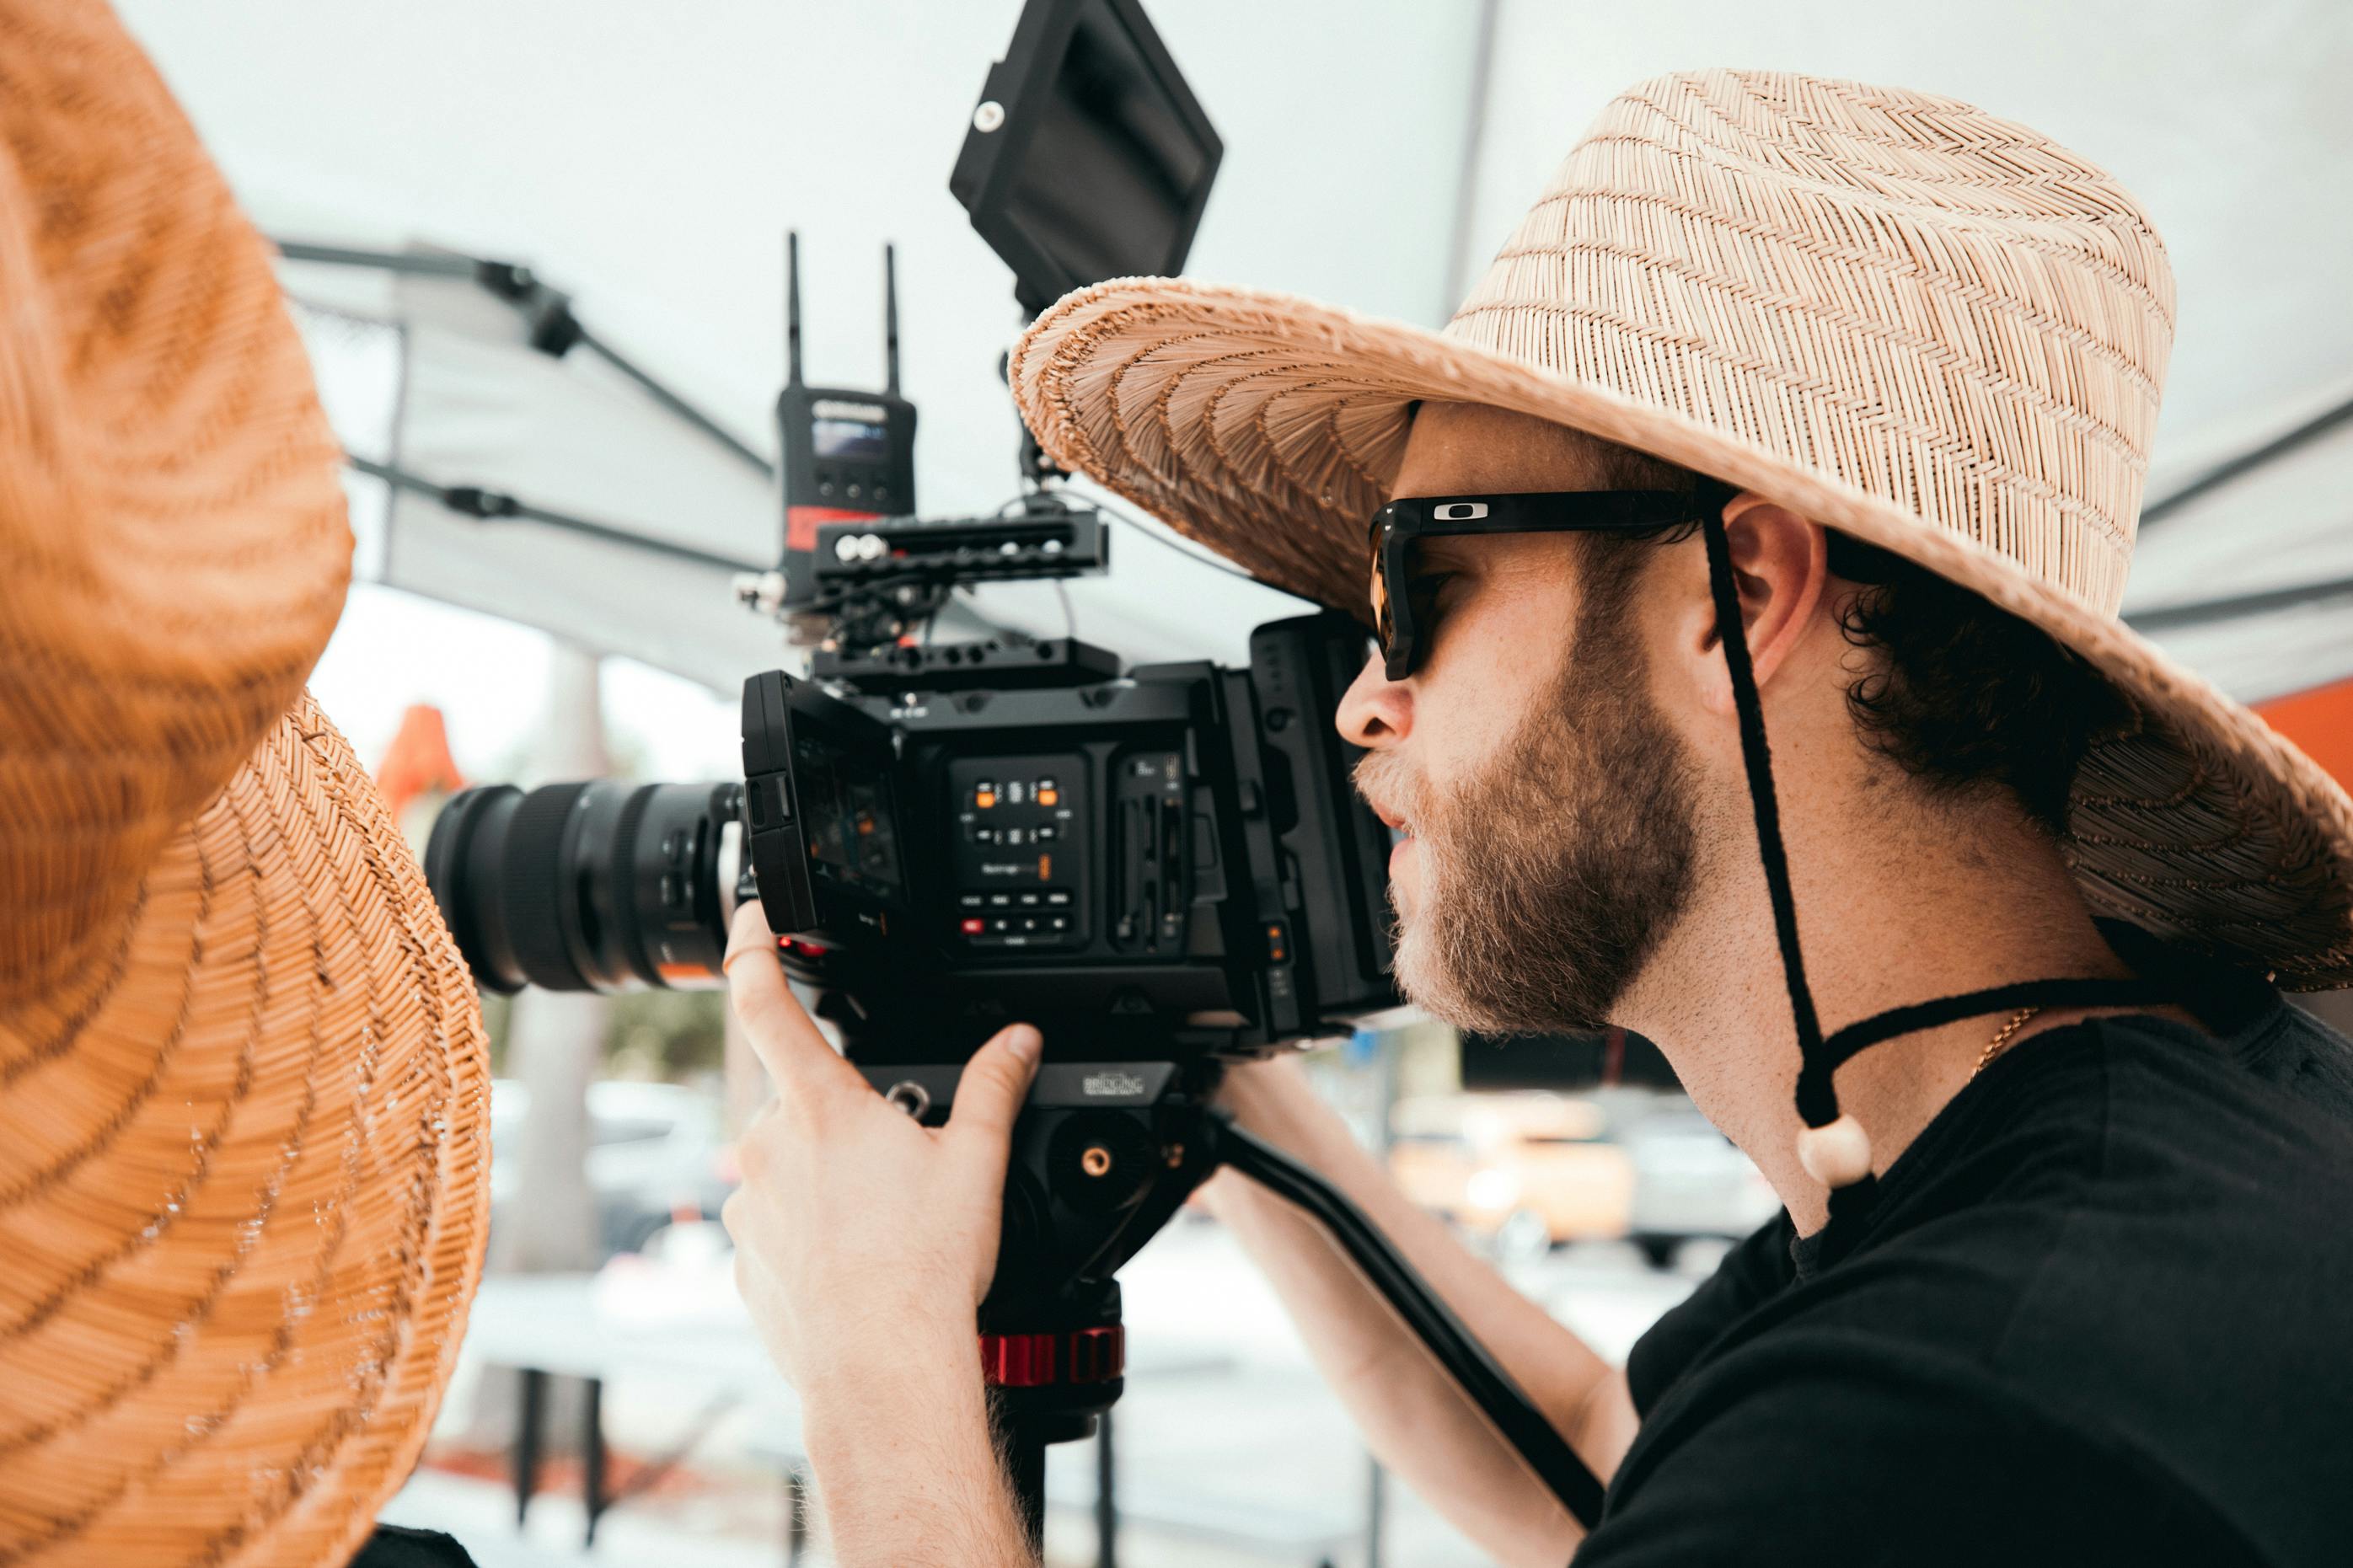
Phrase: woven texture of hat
(243,1189)
(171,537)
(1899,314)
(243,1079)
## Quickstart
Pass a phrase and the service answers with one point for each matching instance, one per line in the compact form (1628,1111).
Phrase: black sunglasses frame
(1397,527)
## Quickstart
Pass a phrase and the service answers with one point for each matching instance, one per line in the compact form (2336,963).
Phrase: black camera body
(1161,870)
(1172,861)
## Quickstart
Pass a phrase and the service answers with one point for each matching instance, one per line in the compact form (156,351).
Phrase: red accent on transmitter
(801,522)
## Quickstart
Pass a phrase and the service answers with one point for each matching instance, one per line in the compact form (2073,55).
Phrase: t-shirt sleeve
(393,1546)
(1751,1273)
(1853,1459)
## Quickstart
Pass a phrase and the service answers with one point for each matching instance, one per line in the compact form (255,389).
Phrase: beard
(1549,878)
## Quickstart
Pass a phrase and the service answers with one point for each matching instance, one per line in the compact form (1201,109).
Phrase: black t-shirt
(2100,1312)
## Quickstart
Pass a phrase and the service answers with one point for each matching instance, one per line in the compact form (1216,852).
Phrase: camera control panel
(1020,855)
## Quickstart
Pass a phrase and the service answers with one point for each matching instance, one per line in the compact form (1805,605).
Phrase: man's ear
(1780,566)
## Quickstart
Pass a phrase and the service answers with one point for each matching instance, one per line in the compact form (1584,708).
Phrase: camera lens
(588,886)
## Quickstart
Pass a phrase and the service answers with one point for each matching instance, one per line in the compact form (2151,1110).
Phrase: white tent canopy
(648,160)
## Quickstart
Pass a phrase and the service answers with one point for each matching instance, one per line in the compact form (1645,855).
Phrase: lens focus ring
(532,873)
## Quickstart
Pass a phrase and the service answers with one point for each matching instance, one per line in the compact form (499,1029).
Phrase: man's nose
(1375,711)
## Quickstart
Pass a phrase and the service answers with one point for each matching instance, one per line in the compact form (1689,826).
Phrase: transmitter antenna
(792,306)
(889,321)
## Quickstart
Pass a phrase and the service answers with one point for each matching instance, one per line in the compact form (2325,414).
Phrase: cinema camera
(1162,868)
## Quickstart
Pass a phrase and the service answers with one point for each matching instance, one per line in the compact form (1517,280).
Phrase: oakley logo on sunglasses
(1458,512)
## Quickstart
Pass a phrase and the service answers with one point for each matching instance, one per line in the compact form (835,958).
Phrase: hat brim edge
(1420,365)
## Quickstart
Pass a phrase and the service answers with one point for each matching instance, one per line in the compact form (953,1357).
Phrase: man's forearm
(904,1460)
(1413,1416)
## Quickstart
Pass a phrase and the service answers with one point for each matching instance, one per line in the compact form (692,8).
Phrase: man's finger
(784,1038)
(995,1082)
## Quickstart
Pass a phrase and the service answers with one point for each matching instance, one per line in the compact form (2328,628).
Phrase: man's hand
(863,1245)
(858,1231)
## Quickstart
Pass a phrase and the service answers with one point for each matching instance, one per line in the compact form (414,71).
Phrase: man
(1744,561)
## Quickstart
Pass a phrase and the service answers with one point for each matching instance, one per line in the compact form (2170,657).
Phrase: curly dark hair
(1959,693)
(1966,694)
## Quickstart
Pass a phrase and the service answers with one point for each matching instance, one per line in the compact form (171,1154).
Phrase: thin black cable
(1817,1099)
(1069,617)
(1860,1037)
(1199,556)
(1513,1414)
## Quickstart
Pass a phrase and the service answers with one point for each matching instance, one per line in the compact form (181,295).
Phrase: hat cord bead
(1837,1155)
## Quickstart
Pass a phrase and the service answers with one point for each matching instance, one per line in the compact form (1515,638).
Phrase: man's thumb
(995,1082)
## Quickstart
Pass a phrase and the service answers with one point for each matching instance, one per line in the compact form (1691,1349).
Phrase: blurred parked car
(655,1153)
(1690,1180)
(1522,1170)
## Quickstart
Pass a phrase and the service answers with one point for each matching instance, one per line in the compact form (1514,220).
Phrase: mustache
(1387,781)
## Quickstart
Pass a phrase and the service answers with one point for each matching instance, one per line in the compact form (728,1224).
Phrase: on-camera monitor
(845,801)
(1104,159)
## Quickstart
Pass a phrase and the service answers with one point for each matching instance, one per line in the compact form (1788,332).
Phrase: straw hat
(243,1079)
(1896,314)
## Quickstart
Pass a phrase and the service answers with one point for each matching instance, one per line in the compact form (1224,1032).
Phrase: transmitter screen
(850,438)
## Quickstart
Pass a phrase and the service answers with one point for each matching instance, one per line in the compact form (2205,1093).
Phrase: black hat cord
(1834,1149)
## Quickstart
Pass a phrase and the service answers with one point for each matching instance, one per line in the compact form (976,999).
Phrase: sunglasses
(1405,626)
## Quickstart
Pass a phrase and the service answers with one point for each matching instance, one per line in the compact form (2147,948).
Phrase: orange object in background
(418,759)
(2320,723)
(1534,1164)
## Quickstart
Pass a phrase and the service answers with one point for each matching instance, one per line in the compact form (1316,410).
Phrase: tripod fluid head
(1103,1154)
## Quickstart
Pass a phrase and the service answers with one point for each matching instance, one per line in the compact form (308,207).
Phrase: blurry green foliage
(670,1036)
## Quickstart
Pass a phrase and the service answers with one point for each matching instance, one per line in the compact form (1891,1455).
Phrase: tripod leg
(592,1457)
(1106,1497)
(526,1441)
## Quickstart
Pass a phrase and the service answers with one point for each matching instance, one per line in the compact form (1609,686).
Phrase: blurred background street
(1228,1448)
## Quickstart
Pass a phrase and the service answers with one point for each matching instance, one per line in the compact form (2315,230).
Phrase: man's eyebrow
(1448,549)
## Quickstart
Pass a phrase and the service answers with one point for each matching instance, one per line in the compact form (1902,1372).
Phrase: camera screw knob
(988,115)
(910,1097)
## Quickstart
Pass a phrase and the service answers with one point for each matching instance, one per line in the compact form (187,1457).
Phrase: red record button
(972,925)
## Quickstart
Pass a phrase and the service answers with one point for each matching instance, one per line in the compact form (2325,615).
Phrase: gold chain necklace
(2000,1041)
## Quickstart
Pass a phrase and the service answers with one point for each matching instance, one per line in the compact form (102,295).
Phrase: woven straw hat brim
(244,1167)
(1270,428)
(243,1097)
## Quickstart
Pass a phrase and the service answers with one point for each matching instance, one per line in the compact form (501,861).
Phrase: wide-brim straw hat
(1935,330)
(243,1079)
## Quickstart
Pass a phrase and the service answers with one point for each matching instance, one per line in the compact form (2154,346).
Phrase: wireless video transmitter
(847,456)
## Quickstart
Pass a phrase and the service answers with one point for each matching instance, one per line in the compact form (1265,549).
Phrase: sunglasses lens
(1377,585)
